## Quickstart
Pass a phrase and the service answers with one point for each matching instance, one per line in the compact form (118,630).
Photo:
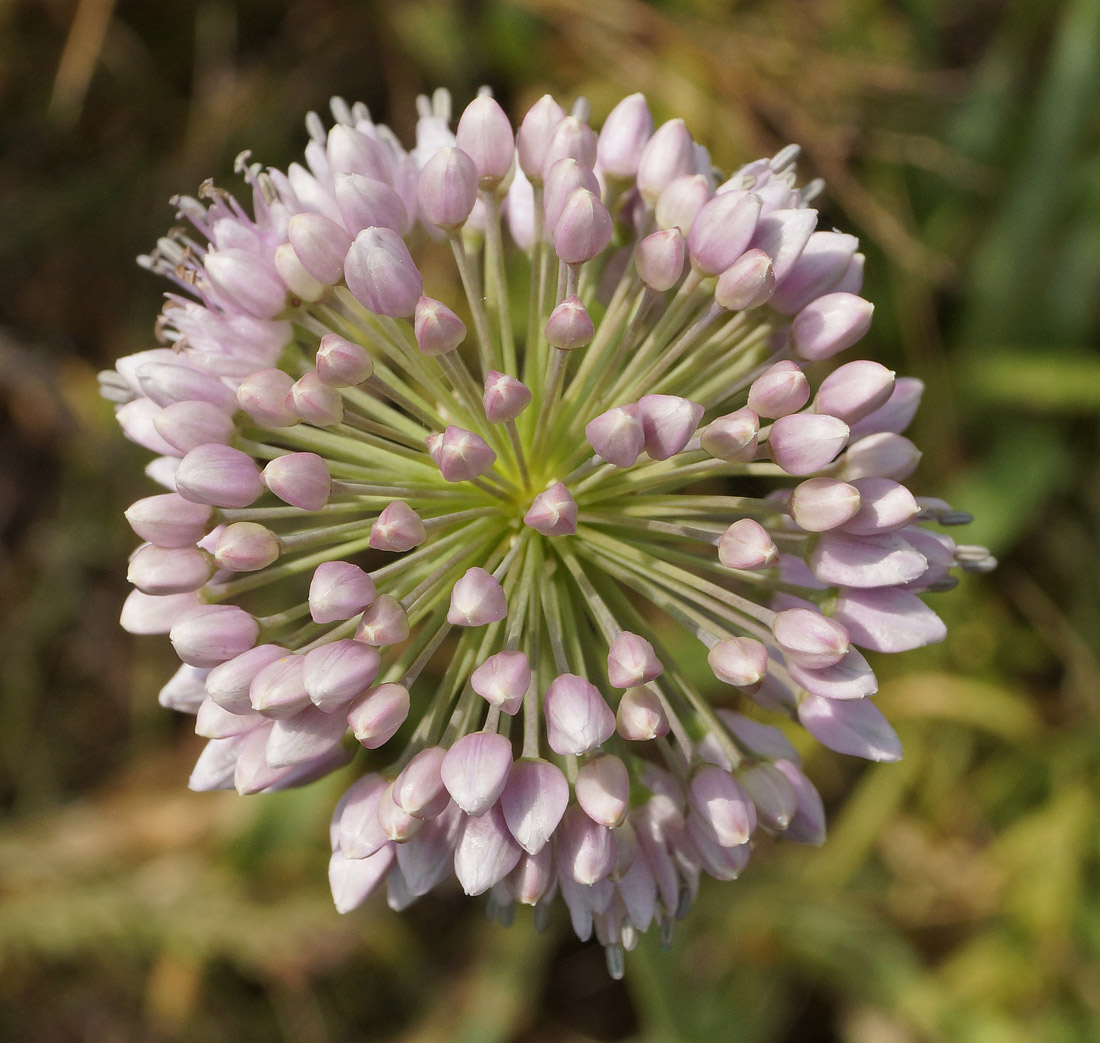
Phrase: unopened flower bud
(397,528)
(438,329)
(263,396)
(577,718)
(367,202)
(631,661)
(603,790)
(629,125)
(168,520)
(384,622)
(720,801)
(463,455)
(617,435)
(854,391)
(739,661)
(808,638)
(342,363)
(659,259)
(747,545)
(747,283)
(381,274)
(640,715)
(228,683)
(502,680)
(830,324)
(246,547)
(569,326)
(315,401)
(722,231)
(212,634)
(505,397)
(419,789)
(447,188)
(533,802)
(780,390)
(337,672)
(475,770)
(339,590)
(218,475)
(321,246)
(485,134)
(535,134)
(476,599)
(300,479)
(377,714)
(680,202)
(298,281)
(553,512)
(667,155)
(806,442)
(168,570)
(584,228)
(732,437)
(823,503)
(668,423)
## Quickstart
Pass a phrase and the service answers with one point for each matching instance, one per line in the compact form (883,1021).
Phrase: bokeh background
(958,897)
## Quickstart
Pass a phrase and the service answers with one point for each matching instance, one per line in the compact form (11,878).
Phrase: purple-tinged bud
(315,401)
(882,455)
(669,154)
(603,790)
(505,397)
(485,134)
(136,420)
(336,673)
(888,620)
(381,274)
(187,425)
(739,661)
(732,437)
(350,151)
(808,638)
(572,139)
(236,273)
(569,326)
(476,599)
(212,634)
(553,512)
(228,683)
(807,824)
(155,614)
(298,281)
(219,475)
(723,230)
(418,789)
(680,202)
(617,435)
(534,878)
(502,680)
(384,622)
(395,821)
(640,715)
(631,661)
(310,734)
(562,179)
(185,690)
(356,829)
(342,363)
(668,423)
(533,802)
(168,570)
(577,718)
(263,396)
(850,678)
(535,134)
(278,689)
(397,528)
(168,520)
(854,390)
(300,479)
(823,503)
(772,795)
(475,770)
(747,283)
(898,412)
(463,455)
(782,235)
(447,188)
(629,125)
(377,714)
(779,391)
(339,590)
(855,727)
(366,202)
(821,265)
(723,805)
(167,382)
(352,880)
(321,246)
(882,560)
(586,851)
(806,442)
(830,324)
(485,853)
(584,228)
(438,329)
(885,506)
(746,544)
(659,259)
(246,547)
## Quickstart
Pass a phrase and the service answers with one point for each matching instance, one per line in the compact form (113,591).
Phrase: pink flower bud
(218,475)
(782,235)
(617,435)
(668,423)
(806,442)
(418,789)
(807,824)
(384,622)
(746,544)
(808,638)
(898,412)
(228,683)
(168,570)
(562,179)
(278,689)
(569,326)
(779,391)
(381,275)
(584,228)
(316,402)
(396,822)
(535,134)
(136,420)
(477,599)
(851,677)
(339,590)
(300,479)
(572,138)
(629,125)
(212,634)
(447,188)
(486,135)
(167,382)
(631,661)
(533,803)
(366,202)
(475,770)
(350,151)
(820,266)
(155,614)
(739,661)
(585,850)
(577,718)
(732,437)
(830,324)
(505,397)
(377,714)
(747,283)
(298,281)
(336,673)
(341,363)
(502,680)
(357,831)
(463,455)
(640,715)
(168,520)
(603,790)
(263,396)
(534,878)
(823,503)
(553,512)
(854,391)
(884,506)
(321,246)
(236,273)
(719,800)
(438,329)
(772,795)
(723,230)
(486,852)
(855,727)
(680,202)
(305,737)
(246,547)
(397,528)
(187,425)
(882,455)
(667,155)
(659,259)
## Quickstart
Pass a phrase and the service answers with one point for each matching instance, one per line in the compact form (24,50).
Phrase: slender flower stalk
(364,480)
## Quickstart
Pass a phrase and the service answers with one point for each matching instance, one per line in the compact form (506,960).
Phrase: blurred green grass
(957,898)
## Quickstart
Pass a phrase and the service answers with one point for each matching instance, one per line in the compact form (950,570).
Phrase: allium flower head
(404,514)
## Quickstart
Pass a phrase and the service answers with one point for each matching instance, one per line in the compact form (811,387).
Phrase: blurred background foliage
(958,897)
